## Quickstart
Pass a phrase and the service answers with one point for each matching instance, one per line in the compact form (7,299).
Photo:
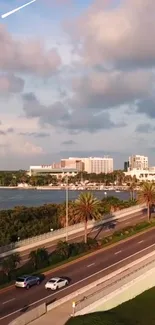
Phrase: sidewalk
(63,312)
(57,316)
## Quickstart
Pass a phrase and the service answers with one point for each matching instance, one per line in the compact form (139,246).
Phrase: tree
(87,207)
(63,248)
(38,257)
(132,188)
(147,195)
(10,263)
(62,214)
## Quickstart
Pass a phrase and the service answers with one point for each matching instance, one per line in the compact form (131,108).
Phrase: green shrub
(92,243)
(142,225)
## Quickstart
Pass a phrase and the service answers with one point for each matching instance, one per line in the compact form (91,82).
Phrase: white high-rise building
(98,165)
(138,162)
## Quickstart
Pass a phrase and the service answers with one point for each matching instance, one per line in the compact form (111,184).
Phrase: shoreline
(53,188)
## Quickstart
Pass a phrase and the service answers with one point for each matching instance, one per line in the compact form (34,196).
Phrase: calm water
(11,198)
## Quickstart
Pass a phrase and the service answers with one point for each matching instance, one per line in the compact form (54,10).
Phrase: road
(96,232)
(16,301)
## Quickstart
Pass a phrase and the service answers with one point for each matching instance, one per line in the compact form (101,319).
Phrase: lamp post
(66,207)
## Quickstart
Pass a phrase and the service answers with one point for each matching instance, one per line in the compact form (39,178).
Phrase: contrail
(17,9)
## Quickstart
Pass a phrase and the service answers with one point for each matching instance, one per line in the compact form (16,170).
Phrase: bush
(142,225)
(92,243)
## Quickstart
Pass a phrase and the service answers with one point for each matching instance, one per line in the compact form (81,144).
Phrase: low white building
(142,175)
(49,170)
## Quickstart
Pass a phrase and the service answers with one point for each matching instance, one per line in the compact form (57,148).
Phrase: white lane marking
(126,223)
(90,264)
(80,281)
(6,302)
(118,252)
(140,241)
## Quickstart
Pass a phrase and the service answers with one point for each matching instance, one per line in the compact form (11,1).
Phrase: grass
(138,311)
(117,237)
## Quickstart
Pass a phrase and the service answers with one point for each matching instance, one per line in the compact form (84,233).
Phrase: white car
(56,283)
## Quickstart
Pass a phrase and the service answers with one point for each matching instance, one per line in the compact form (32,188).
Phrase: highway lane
(97,232)
(17,301)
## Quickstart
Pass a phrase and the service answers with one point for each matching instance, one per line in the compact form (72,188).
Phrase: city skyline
(63,95)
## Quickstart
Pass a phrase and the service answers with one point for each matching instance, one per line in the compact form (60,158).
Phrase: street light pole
(67,208)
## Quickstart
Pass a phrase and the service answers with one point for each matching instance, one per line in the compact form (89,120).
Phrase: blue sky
(76,78)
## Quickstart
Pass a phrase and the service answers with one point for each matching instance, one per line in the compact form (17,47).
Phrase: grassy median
(138,311)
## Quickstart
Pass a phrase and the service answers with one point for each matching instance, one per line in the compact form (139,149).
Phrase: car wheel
(56,288)
(66,284)
(28,287)
(38,282)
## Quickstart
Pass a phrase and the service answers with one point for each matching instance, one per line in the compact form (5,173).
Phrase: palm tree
(87,207)
(147,195)
(132,188)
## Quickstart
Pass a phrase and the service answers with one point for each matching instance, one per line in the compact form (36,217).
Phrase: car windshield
(52,281)
(20,280)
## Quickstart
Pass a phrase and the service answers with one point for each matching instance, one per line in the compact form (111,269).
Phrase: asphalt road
(17,301)
(96,232)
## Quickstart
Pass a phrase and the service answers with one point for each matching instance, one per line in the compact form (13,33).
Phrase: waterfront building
(142,175)
(49,170)
(138,162)
(98,165)
(73,162)
(126,166)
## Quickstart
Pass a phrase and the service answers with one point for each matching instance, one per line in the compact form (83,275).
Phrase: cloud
(35,134)
(68,143)
(145,128)
(6,132)
(147,107)
(59,116)
(11,84)
(110,89)
(20,148)
(26,56)
(120,37)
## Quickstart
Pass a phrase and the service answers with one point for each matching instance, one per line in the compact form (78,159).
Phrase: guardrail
(30,316)
(60,233)
(99,294)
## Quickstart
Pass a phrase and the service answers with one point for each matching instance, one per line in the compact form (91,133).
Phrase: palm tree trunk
(148,212)
(85,231)
(131,196)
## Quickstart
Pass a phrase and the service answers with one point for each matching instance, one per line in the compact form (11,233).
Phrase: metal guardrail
(62,231)
(99,294)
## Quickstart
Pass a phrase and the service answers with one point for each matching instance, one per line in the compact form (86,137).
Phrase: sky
(77,78)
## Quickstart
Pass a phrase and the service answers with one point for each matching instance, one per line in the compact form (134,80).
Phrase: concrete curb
(98,251)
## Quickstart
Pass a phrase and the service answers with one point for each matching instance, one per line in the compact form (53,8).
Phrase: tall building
(90,165)
(98,165)
(126,166)
(138,162)
(72,162)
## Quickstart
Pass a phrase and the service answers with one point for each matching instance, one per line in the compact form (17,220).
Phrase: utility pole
(67,207)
